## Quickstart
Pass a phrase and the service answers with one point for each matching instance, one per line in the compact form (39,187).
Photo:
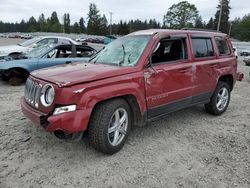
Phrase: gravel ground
(188,148)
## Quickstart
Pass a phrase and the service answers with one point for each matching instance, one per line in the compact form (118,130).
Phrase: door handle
(68,62)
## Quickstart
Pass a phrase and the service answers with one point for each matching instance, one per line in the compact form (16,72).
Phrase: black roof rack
(199,29)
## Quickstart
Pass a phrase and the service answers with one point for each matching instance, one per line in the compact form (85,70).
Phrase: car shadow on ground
(169,126)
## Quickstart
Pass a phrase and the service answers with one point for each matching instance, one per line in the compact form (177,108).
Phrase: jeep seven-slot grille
(32,92)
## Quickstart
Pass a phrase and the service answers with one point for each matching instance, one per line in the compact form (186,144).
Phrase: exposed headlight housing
(47,95)
(64,109)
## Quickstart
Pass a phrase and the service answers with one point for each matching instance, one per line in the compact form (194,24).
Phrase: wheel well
(137,118)
(228,79)
(14,53)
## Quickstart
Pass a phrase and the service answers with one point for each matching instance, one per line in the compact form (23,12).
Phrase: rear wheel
(220,99)
(110,125)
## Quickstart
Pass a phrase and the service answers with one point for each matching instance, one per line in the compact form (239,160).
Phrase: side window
(64,41)
(202,47)
(47,41)
(170,50)
(52,40)
(222,46)
(42,42)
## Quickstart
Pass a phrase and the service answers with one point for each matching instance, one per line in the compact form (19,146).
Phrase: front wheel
(110,125)
(220,99)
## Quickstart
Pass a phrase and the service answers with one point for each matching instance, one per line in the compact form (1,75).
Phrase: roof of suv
(172,31)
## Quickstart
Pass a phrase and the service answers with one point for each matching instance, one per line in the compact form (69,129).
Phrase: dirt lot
(188,148)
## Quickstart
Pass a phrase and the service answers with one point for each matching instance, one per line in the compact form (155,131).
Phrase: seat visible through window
(169,50)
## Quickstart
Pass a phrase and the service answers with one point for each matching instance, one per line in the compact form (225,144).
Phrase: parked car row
(16,35)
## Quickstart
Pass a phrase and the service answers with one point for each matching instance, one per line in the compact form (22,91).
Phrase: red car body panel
(86,85)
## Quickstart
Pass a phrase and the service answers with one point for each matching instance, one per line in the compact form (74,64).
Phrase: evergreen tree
(66,23)
(224,24)
(23,26)
(32,24)
(199,22)
(54,24)
(76,28)
(241,28)
(94,20)
(42,26)
(103,25)
(82,25)
(210,24)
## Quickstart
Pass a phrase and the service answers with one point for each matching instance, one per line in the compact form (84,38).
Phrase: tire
(5,78)
(105,135)
(16,81)
(220,100)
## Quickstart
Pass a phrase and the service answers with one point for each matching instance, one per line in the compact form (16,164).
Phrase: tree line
(179,15)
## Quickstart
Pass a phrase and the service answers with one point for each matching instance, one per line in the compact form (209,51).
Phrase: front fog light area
(64,109)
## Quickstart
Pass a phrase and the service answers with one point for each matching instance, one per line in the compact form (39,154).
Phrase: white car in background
(28,45)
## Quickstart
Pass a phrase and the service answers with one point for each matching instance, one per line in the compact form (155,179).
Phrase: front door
(169,81)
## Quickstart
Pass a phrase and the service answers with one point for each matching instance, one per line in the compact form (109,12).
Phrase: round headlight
(47,95)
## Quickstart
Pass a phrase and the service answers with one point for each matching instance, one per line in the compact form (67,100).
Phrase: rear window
(202,47)
(222,46)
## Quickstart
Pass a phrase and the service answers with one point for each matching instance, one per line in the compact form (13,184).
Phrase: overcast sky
(16,10)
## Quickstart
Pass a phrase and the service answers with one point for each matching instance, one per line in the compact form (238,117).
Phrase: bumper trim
(35,116)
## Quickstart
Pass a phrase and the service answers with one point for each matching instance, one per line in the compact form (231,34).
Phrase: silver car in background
(28,45)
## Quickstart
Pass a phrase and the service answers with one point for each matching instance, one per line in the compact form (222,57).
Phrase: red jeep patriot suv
(133,80)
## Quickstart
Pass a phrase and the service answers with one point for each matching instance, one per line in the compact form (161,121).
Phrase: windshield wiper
(95,56)
(124,55)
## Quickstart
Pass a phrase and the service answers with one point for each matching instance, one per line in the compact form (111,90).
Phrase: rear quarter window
(222,46)
(202,47)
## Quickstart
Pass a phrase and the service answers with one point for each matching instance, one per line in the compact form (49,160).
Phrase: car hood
(71,74)
(5,50)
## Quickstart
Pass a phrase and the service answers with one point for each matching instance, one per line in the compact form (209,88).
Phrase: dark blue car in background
(17,70)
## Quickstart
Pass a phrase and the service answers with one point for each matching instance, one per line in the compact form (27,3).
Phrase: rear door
(205,68)
(226,56)
(168,82)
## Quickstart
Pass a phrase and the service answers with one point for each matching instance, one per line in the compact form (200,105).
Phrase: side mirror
(149,62)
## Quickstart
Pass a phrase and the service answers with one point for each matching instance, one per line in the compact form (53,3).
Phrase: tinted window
(170,50)
(222,46)
(202,47)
